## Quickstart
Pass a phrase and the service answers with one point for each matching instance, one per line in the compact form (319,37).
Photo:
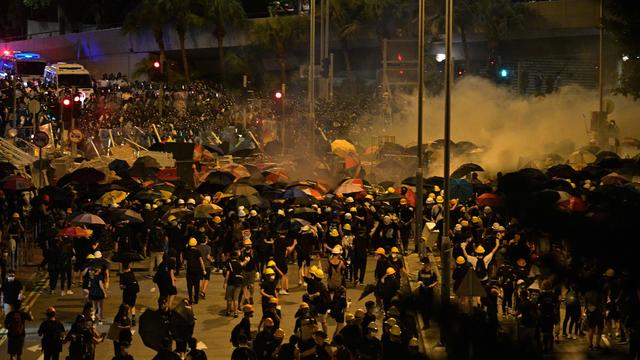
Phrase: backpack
(335,277)
(16,327)
(235,273)
(481,269)
(133,286)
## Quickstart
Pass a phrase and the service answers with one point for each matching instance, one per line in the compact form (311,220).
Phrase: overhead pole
(419,169)
(600,58)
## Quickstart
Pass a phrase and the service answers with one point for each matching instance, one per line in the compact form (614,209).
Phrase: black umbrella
(86,175)
(608,159)
(221,178)
(562,171)
(465,169)
(143,172)
(146,161)
(153,328)
(118,164)
(126,215)
(559,184)
(593,172)
(182,321)
(389,148)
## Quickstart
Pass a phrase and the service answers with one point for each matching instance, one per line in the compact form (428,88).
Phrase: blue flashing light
(504,73)
(27,56)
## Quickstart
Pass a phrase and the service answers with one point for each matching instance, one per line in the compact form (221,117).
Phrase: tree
(182,18)
(348,17)
(279,33)
(221,14)
(149,15)
(621,20)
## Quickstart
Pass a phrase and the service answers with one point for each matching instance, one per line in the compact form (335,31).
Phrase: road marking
(33,296)
(35,348)
(201,346)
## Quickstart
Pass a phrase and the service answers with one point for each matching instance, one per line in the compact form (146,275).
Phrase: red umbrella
(573,204)
(168,174)
(489,199)
(16,183)
(312,192)
(350,186)
(75,232)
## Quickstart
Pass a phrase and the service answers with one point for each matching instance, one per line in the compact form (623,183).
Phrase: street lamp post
(445,246)
(311,80)
(419,170)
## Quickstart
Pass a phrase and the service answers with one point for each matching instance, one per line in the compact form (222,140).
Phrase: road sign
(76,136)
(40,139)
(34,106)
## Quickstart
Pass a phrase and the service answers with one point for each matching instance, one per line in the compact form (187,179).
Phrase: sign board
(40,139)
(75,136)
(34,106)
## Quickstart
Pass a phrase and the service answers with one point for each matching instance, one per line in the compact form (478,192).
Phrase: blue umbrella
(294,193)
(461,189)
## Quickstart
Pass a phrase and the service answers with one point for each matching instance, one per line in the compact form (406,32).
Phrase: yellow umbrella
(112,198)
(208,209)
(342,148)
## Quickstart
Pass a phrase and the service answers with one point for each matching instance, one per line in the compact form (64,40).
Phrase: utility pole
(419,170)
(445,256)
(311,79)
(600,57)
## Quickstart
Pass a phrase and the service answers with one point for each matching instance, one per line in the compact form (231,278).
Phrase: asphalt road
(212,329)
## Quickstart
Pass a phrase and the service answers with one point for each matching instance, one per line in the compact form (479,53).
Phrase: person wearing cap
(321,351)
(15,323)
(52,332)
(332,239)
(318,297)
(157,245)
(388,233)
(388,287)
(283,247)
(480,261)
(414,350)
(265,342)
(392,346)
(506,279)
(382,263)
(268,286)
(347,250)
(243,328)
(338,307)
(249,269)
(336,269)
(271,312)
(301,315)
(176,241)
(405,219)
(97,292)
(352,331)
(196,270)
(205,251)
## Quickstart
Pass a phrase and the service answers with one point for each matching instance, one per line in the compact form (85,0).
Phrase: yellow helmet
(394,250)
(439,199)
(346,227)
(217,219)
(475,219)
(413,342)
(395,330)
(380,251)
(390,271)
(271,263)
(304,305)
(403,201)
(246,242)
(460,260)
(369,197)
(353,209)
(319,274)
(90,256)
(391,190)
(436,188)
(269,271)
(171,218)
(431,196)
(193,242)
(480,249)
(334,233)
(313,269)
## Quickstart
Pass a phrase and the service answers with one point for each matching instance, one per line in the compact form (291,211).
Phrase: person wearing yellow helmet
(268,286)
(388,286)
(427,280)
(405,219)
(317,296)
(196,270)
(480,261)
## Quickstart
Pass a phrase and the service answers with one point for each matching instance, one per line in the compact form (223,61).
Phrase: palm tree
(279,33)
(349,19)
(221,14)
(182,17)
(149,15)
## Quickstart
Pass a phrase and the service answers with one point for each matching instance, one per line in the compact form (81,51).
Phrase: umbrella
(165,186)
(87,218)
(489,199)
(16,183)
(350,186)
(390,197)
(143,172)
(573,204)
(305,213)
(390,148)
(460,189)
(293,193)
(85,175)
(182,321)
(153,328)
(581,158)
(293,225)
(388,184)
(562,171)
(168,174)
(245,200)
(127,215)
(219,178)
(312,193)
(238,189)
(120,167)
(614,179)
(608,159)
(208,209)
(146,161)
(593,172)
(112,198)
(177,212)
(465,169)
(75,232)
(152,195)
(275,175)
(237,170)
(342,148)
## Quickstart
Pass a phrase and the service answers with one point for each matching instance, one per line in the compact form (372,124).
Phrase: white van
(62,76)
(29,66)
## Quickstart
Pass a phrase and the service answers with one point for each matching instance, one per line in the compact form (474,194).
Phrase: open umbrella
(471,285)
(143,172)
(127,215)
(215,181)
(16,183)
(306,213)
(293,193)
(312,192)
(151,195)
(86,175)
(239,171)
(75,232)
(489,199)
(146,161)
(182,321)
(168,174)
(239,189)
(461,189)
(608,159)
(208,209)
(581,158)
(342,148)
(465,169)
(562,171)
(87,218)
(275,175)
(113,197)
(177,212)
(614,179)
(153,328)
(350,186)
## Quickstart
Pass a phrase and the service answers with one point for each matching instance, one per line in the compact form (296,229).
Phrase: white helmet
(191,201)
(241,213)
(180,202)
(253,213)
(347,216)
(349,200)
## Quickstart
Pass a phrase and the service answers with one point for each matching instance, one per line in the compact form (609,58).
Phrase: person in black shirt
(194,352)
(304,246)
(369,315)
(123,322)
(263,345)
(130,289)
(288,351)
(165,279)
(243,351)
(195,270)
(268,288)
(427,281)
(11,291)
(52,332)
(360,248)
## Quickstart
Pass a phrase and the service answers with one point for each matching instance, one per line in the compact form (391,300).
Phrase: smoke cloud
(513,129)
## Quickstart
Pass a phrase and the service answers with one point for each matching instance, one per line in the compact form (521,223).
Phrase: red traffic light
(6,52)
(66,102)
(399,57)
(76,98)
(278,95)
(156,64)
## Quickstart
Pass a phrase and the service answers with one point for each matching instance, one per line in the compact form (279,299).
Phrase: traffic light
(156,65)
(77,106)
(504,73)
(278,103)
(278,95)
(66,102)
(67,111)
